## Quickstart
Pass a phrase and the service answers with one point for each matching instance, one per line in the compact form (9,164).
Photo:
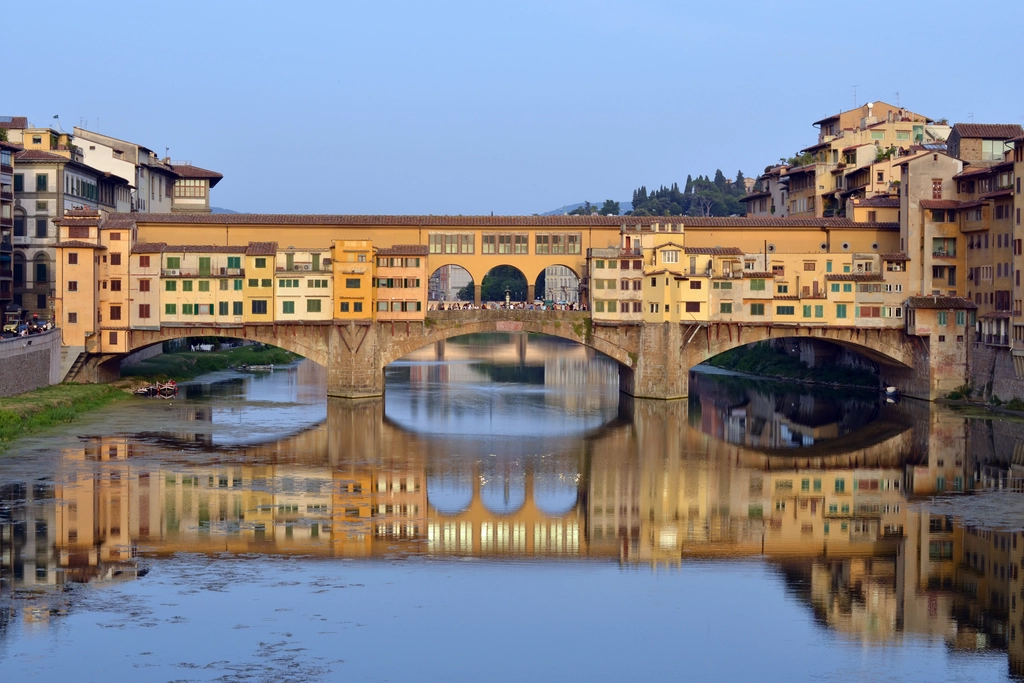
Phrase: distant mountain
(217,209)
(623,208)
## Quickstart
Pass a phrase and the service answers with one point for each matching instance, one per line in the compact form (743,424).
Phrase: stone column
(530,295)
(477,293)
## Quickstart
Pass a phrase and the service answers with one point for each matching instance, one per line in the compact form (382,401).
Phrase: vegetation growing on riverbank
(767,361)
(188,364)
(36,411)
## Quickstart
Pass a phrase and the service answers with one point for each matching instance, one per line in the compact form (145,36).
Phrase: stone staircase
(72,358)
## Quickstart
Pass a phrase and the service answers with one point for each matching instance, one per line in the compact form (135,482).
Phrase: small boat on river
(161,389)
(256,368)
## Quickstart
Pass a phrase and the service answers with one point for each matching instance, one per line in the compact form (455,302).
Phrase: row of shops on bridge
(110,282)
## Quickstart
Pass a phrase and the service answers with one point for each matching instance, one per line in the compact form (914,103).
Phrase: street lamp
(508,297)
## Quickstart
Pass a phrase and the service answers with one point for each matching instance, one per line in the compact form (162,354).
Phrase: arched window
(19,269)
(42,269)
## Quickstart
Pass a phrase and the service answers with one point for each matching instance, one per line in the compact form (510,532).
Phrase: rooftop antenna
(855,96)
(897,99)
(971,116)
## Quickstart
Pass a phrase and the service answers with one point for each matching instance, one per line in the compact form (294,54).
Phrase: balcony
(6,274)
(996,339)
(630,252)
(944,254)
(7,194)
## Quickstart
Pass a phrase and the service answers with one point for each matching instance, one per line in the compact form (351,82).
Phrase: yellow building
(304,284)
(259,282)
(352,264)
(401,282)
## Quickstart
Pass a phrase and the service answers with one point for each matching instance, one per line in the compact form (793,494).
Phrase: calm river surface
(504,514)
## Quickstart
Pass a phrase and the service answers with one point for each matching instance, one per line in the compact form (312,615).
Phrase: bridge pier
(354,366)
(659,370)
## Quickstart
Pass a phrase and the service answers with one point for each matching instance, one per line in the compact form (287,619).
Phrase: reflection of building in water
(785,416)
(651,488)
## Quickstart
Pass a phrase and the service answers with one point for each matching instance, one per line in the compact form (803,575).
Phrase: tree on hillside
(609,208)
(585,210)
(740,180)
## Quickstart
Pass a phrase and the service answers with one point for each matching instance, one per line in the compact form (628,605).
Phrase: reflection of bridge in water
(652,487)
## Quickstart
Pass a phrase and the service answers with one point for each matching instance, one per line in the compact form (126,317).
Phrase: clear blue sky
(472,107)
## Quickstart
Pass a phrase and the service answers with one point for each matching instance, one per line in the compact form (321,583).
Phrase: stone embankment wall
(991,373)
(28,363)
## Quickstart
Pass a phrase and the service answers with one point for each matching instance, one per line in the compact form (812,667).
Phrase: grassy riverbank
(767,361)
(36,411)
(187,364)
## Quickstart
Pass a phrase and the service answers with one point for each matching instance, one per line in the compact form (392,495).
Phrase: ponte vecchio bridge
(349,292)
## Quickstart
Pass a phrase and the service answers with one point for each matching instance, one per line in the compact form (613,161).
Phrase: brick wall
(28,363)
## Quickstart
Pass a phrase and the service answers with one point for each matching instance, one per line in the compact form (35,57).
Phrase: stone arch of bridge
(886,347)
(308,341)
(574,329)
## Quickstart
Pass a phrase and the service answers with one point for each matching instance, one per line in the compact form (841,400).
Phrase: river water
(504,514)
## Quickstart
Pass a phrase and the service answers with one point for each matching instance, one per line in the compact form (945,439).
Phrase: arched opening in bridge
(559,285)
(807,358)
(163,353)
(503,283)
(447,282)
(502,384)
(736,397)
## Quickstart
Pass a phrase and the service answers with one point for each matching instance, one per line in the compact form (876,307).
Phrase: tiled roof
(261,249)
(940,302)
(149,247)
(759,274)
(863,144)
(855,277)
(894,257)
(158,247)
(404,250)
(786,223)
(973,204)
(994,131)
(714,251)
(880,202)
(78,244)
(1005,192)
(939,204)
(340,220)
(668,244)
(9,146)
(189,171)
(13,122)
(79,219)
(38,155)
(999,315)
(974,169)
(801,169)
(118,223)
(755,195)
